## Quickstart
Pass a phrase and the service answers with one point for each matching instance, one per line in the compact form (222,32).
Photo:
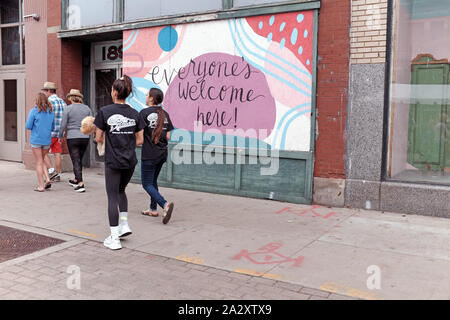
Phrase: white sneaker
(113,243)
(124,230)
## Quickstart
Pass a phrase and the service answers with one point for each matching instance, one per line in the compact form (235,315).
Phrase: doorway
(105,68)
(12,95)
(104,79)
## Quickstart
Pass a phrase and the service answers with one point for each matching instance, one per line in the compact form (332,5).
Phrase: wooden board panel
(290,183)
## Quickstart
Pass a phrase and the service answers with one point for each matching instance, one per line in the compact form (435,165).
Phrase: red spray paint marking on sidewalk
(300,212)
(268,255)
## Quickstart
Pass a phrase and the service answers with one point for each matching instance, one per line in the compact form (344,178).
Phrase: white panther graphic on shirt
(153,120)
(118,122)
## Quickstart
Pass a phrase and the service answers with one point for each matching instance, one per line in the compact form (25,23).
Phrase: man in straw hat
(58,105)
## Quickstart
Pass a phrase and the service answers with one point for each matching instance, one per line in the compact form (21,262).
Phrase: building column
(366,104)
(332,91)
(35,64)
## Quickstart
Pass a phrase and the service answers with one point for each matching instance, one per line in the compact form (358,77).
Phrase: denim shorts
(37,146)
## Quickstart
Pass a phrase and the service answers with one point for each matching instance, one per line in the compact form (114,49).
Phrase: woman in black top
(154,151)
(121,128)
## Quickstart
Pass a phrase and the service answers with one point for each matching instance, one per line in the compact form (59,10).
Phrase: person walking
(120,127)
(77,142)
(155,151)
(58,106)
(41,123)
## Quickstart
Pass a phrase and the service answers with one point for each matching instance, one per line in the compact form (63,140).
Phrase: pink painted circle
(223,92)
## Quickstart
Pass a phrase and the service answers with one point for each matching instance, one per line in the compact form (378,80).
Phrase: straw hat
(74,92)
(49,86)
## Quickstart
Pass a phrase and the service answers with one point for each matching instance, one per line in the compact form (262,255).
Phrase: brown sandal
(149,213)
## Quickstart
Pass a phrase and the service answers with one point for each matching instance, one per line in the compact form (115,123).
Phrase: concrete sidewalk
(311,248)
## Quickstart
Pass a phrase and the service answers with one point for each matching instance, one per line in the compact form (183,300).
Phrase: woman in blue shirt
(41,123)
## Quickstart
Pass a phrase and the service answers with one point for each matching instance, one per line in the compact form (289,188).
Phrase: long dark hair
(158,97)
(123,86)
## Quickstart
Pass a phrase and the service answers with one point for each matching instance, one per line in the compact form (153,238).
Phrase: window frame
(21,25)
(227,12)
(387,116)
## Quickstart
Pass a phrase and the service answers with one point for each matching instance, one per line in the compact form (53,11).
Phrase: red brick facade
(64,65)
(332,88)
(64,58)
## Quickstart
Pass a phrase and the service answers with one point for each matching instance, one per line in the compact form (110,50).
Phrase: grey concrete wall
(411,198)
(364,135)
(329,192)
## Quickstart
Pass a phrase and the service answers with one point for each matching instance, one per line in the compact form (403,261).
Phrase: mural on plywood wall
(233,76)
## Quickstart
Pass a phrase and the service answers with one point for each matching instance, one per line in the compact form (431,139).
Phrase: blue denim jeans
(149,177)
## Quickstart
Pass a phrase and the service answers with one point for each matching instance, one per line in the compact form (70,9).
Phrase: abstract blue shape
(269,53)
(140,88)
(300,18)
(167,38)
(286,127)
(282,26)
(305,34)
(300,50)
(128,46)
(260,25)
(308,62)
(129,37)
(294,36)
(293,86)
(269,37)
(282,43)
(272,20)
(280,124)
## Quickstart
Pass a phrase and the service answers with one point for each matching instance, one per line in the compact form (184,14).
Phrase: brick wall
(71,65)
(54,60)
(332,88)
(64,56)
(64,67)
(368,31)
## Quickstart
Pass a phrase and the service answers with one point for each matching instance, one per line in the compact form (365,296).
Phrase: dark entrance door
(104,79)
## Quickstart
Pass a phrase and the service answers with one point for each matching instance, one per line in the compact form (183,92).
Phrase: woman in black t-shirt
(120,127)
(154,151)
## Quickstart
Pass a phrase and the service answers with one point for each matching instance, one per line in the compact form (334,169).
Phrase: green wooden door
(428,117)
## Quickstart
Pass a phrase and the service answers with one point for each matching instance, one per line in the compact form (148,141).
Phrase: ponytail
(158,97)
(156,134)
(123,86)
